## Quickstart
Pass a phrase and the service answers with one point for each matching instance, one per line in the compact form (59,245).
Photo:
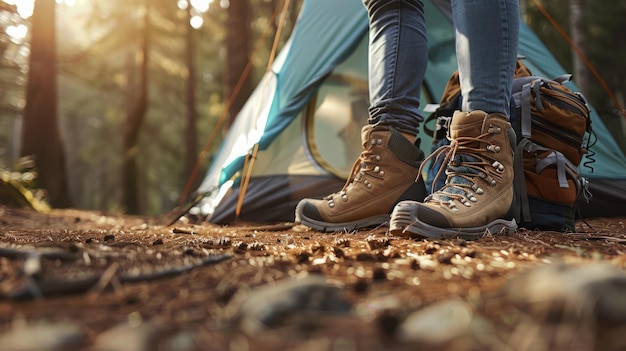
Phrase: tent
(299,132)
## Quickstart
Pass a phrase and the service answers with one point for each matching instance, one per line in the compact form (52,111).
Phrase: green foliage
(19,187)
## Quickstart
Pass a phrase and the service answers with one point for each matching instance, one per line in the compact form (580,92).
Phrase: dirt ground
(80,280)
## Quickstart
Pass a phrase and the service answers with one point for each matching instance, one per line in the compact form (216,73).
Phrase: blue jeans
(486,44)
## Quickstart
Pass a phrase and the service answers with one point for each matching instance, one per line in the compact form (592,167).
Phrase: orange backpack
(553,128)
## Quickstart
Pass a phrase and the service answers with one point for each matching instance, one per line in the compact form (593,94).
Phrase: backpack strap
(564,168)
(529,87)
(445,109)
(554,158)
(522,207)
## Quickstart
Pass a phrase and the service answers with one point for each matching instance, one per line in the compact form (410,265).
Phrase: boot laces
(366,163)
(467,164)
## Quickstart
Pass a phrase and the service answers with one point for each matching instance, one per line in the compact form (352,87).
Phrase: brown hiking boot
(383,175)
(478,194)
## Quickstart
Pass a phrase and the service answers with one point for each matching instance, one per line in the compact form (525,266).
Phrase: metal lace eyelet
(498,166)
(493,148)
(477,189)
(495,129)
(452,205)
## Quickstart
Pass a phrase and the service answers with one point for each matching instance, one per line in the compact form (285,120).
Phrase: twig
(59,287)
(104,280)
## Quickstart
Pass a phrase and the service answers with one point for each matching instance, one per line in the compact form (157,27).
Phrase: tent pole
(246,179)
(222,119)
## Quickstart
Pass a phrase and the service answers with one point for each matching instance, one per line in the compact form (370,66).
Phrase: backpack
(553,128)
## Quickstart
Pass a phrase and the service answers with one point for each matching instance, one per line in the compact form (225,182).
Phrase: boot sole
(403,223)
(340,227)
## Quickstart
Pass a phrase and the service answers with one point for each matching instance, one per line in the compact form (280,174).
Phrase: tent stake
(246,179)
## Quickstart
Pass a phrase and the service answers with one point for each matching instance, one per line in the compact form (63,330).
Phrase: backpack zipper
(557,132)
(576,105)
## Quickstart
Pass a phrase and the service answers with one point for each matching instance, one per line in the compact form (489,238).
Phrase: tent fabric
(609,197)
(297,74)
(331,36)
(275,199)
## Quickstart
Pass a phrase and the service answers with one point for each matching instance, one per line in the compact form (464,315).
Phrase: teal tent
(305,116)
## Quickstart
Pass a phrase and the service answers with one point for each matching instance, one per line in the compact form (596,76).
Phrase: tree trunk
(40,131)
(578,29)
(134,122)
(191,133)
(238,48)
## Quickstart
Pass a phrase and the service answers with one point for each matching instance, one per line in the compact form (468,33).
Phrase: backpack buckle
(443,122)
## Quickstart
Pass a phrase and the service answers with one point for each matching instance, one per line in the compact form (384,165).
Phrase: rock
(436,324)
(564,292)
(42,336)
(127,337)
(267,306)
(181,341)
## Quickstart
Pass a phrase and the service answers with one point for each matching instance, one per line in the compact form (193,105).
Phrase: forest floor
(84,280)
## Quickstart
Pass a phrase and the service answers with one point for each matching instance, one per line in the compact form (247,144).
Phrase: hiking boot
(383,175)
(478,193)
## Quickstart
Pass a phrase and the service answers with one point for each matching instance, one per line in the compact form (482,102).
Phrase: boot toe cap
(432,217)
(307,209)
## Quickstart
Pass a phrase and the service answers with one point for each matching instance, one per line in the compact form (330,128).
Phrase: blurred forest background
(117,99)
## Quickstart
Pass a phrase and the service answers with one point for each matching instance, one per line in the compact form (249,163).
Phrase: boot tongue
(466,124)
(365,134)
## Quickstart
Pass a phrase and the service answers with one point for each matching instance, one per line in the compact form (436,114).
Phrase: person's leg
(478,194)
(398,53)
(385,172)
(486,48)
